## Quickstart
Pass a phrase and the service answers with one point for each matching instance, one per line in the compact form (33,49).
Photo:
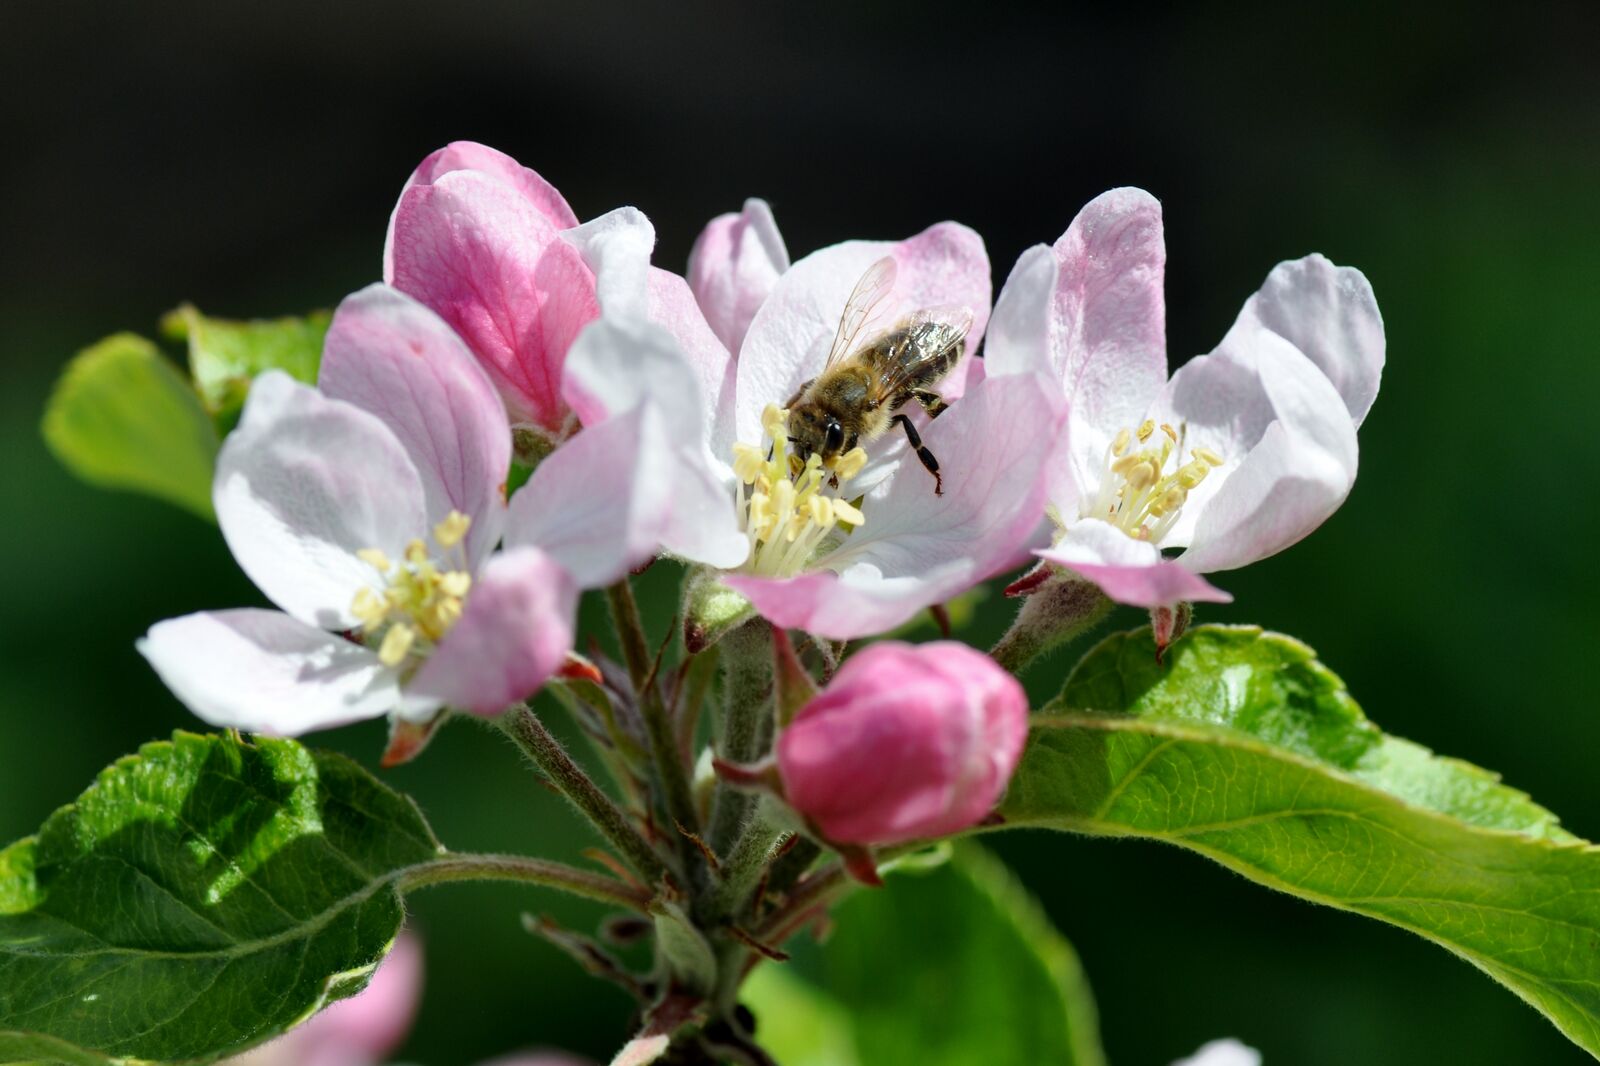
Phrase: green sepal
(688,955)
(710,609)
(123,417)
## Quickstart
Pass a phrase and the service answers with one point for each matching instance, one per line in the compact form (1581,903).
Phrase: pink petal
(734,266)
(265,672)
(368,1026)
(475,250)
(789,337)
(466,155)
(304,483)
(596,504)
(390,355)
(1127,570)
(917,549)
(1330,314)
(516,631)
(1108,330)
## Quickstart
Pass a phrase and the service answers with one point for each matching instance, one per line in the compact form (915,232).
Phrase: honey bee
(862,387)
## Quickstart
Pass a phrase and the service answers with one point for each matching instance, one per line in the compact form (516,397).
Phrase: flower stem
(746,725)
(743,867)
(671,773)
(547,753)
(630,631)
(469,867)
(1060,607)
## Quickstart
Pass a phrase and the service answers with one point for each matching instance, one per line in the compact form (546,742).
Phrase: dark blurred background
(245,157)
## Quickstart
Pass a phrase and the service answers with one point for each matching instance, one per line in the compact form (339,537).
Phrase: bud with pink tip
(907,742)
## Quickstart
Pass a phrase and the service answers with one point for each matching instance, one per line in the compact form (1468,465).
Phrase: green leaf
(946,966)
(1245,748)
(123,417)
(201,897)
(225,355)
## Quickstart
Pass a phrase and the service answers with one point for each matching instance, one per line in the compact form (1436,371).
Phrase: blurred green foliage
(1454,160)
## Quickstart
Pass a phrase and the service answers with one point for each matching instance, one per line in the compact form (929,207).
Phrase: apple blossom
(906,742)
(861,556)
(494,249)
(367,511)
(359,1031)
(1222,1053)
(1239,455)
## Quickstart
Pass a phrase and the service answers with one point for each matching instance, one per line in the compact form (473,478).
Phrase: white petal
(1330,314)
(1288,444)
(617,247)
(304,483)
(265,672)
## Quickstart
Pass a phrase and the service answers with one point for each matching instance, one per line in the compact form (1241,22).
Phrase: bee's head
(812,430)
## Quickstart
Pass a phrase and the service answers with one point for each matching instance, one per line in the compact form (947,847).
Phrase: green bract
(200,898)
(1245,748)
(123,417)
(945,966)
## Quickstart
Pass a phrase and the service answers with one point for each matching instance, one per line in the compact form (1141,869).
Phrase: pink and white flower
(907,742)
(860,558)
(495,250)
(367,510)
(1239,455)
(359,1031)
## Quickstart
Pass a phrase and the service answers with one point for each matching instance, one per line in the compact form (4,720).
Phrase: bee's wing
(864,299)
(938,330)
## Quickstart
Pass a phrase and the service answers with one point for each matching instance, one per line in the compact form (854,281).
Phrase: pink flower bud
(907,742)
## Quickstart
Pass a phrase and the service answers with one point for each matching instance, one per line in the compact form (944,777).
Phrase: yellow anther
(449,533)
(416,553)
(760,510)
(1146,428)
(455,583)
(1207,456)
(1125,464)
(783,497)
(369,607)
(1142,475)
(1171,433)
(774,420)
(1122,441)
(748,463)
(1172,499)
(847,514)
(375,558)
(1192,474)
(396,645)
(850,463)
(438,618)
(821,509)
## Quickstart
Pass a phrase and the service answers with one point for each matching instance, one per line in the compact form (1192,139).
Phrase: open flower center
(788,508)
(418,602)
(1138,494)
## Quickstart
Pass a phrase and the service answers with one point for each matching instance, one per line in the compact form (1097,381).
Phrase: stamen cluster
(1135,495)
(420,602)
(788,514)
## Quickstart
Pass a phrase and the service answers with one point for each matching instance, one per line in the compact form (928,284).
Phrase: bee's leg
(931,402)
(915,440)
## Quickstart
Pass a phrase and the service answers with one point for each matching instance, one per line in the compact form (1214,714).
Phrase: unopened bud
(1057,606)
(907,742)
